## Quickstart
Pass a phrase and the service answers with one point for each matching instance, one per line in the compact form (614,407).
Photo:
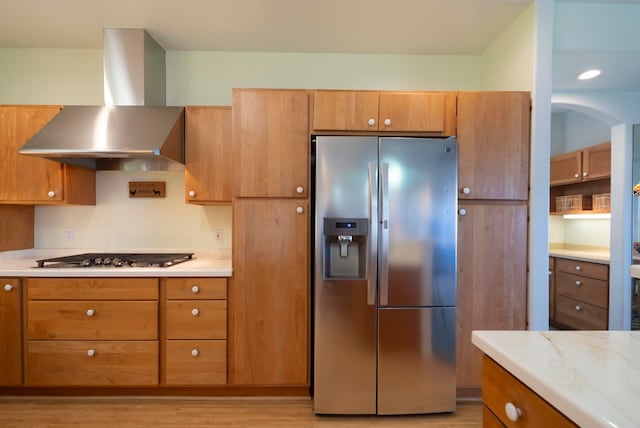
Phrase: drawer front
(196,362)
(580,315)
(589,290)
(92,320)
(489,420)
(592,270)
(196,288)
(72,363)
(499,387)
(197,319)
(92,289)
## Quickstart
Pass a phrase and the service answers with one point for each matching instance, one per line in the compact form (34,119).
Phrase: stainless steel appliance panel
(419,220)
(345,313)
(416,360)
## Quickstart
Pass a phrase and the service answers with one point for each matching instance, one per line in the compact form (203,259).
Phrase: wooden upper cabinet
(493,136)
(32,180)
(590,163)
(428,112)
(270,143)
(208,171)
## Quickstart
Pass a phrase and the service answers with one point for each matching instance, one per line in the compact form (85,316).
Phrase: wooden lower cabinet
(195,331)
(270,292)
(492,282)
(500,387)
(10,331)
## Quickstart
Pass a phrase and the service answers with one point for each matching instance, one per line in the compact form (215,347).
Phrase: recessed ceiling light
(589,74)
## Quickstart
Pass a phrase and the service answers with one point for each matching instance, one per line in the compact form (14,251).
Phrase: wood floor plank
(119,412)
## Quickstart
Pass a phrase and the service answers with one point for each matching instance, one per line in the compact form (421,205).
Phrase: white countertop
(592,377)
(594,256)
(204,263)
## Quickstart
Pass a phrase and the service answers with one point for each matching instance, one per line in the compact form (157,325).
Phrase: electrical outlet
(68,234)
(218,235)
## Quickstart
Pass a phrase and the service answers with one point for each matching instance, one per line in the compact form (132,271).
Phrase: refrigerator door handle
(373,235)
(384,234)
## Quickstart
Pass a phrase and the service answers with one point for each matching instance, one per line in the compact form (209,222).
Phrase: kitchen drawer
(196,288)
(92,320)
(198,319)
(585,289)
(196,362)
(592,270)
(580,315)
(92,289)
(78,363)
(489,420)
(499,387)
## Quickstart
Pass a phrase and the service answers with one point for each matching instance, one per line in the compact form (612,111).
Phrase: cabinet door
(596,162)
(566,168)
(492,281)
(10,332)
(345,111)
(208,154)
(270,143)
(552,288)
(417,112)
(493,156)
(269,300)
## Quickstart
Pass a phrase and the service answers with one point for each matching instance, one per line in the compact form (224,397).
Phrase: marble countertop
(22,263)
(594,256)
(592,377)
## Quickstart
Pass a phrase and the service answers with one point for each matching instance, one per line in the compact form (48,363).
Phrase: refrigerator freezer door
(416,361)
(420,213)
(345,324)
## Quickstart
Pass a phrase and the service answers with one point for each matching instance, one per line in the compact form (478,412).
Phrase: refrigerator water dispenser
(345,248)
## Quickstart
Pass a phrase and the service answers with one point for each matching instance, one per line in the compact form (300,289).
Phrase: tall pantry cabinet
(493,134)
(269,295)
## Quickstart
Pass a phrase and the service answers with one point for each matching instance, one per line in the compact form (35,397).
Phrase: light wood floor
(18,412)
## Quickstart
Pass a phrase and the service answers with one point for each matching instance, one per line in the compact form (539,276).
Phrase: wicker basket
(602,202)
(572,203)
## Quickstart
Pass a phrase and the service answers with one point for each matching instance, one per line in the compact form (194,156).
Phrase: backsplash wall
(120,222)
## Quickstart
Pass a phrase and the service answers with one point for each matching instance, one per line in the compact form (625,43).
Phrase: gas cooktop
(117,260)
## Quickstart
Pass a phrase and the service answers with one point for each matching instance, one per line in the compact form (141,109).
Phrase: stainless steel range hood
(134,130)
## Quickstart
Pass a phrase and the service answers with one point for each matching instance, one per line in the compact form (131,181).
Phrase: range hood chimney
(134,130)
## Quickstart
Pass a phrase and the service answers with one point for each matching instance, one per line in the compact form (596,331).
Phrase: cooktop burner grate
(116,260)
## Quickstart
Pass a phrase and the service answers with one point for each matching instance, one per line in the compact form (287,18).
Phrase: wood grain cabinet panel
(345,110)
(208,155)
(10,332)
(92,289)
(47,182)
(499,387)
(196,319)
(196,362)
(590,163)
(270,143)
(96,363)
(196,288)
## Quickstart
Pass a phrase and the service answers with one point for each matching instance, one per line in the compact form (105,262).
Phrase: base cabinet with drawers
(581,295)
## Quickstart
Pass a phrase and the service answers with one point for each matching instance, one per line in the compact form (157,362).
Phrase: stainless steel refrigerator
(384,275)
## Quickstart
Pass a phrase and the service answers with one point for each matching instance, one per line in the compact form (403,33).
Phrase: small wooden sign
(147,189)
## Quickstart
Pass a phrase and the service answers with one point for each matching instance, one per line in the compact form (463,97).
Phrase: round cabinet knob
(91,352)
(576,175)
(192,193)
(90,312)
(578,308)
(466,190)
(578,283)
(584,174)
(387,122)
(299,210)
(8,287)
(513,413)
(578,268)
(51,193)
(195,312)
(371,122)
(299,189)
(195,289)
(195,352)
(550,273)
(462,211)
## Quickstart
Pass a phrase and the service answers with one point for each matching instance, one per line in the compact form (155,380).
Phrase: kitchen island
(590,377)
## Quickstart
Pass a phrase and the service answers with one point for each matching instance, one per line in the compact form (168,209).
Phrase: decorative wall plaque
(147,189)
